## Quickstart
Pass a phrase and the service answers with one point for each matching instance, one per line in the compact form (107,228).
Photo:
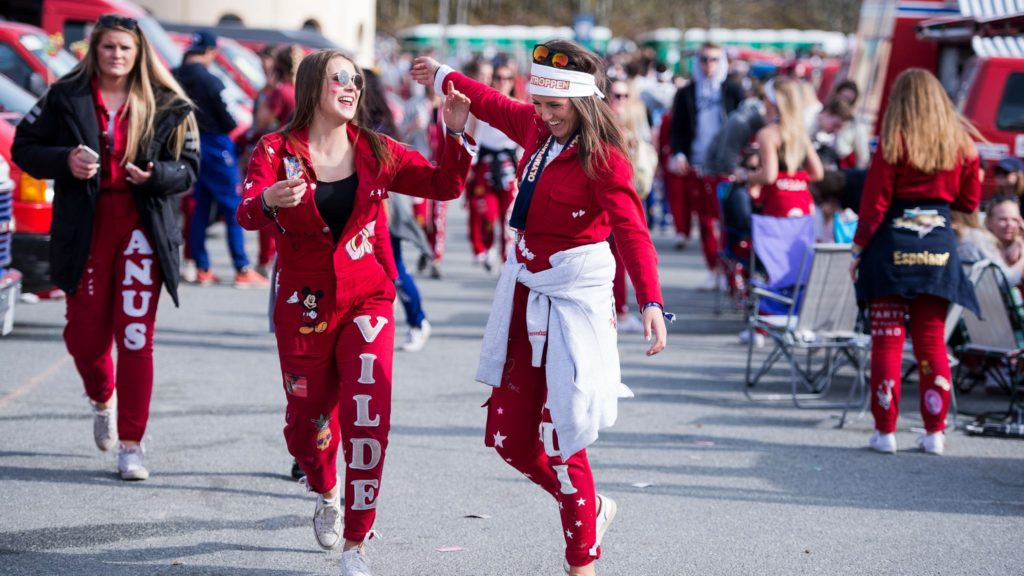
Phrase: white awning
(986,9)
(998,46)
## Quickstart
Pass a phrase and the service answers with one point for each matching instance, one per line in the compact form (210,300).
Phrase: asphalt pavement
(708,482)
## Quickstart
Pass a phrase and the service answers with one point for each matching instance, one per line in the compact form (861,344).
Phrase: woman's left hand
(853,268)
(456,109)
(136,175)
(654,324)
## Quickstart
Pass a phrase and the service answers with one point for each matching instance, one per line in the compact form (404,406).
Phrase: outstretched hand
(423,70)
(456,109)
(654,325)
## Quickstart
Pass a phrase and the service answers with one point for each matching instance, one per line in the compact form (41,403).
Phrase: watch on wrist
(453,133)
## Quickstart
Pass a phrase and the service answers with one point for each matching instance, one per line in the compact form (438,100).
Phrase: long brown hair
(147,75)
(789,101)
(922,127)
(598,125)
(309,84)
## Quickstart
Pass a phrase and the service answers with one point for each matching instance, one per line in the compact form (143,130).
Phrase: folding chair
(820,318)
(992,336)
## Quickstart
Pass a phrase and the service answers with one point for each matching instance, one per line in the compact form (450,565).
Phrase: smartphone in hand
(93,155)
(292,168)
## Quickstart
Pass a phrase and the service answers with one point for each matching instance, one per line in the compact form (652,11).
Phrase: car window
(14,66)
(247,63)
(1011,109)
(76,36)
(13,98)
(57,60)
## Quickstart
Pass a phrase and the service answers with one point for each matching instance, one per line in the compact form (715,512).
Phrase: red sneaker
(206,278)
(249,278)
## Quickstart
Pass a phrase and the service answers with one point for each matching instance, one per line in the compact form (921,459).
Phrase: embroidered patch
(919,258)
(920,221)
(360,245)
(578,213)
(885,393)
(933,402)
(323,437)
(310,302)
(296,385)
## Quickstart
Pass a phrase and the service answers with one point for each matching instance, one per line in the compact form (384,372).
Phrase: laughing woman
(321,183)
(561,375)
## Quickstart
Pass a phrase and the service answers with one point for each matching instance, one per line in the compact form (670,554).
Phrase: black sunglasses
(543,55)
(708,59)
(115,21)
(343,78)
(619,96)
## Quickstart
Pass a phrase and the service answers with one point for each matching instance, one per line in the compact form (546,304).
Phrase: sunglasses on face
(619,96)
(115,21)
(504,78)
(542,55)
(708,59)
(343,79)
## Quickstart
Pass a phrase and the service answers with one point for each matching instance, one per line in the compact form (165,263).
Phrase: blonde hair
(598,124)
(792,131)
(146,74)
(309,84)
(922,127)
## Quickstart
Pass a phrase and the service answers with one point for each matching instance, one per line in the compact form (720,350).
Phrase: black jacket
(206,91)
(64,118)
(684,113)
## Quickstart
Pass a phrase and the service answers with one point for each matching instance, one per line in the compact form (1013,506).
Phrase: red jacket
(307,243)
(568,208)
(961,187)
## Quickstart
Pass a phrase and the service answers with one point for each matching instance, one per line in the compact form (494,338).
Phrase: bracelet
(649,304)
(854,255)
(267,210)
(453,133)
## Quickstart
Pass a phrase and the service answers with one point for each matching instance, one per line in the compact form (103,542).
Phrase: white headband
(548,81)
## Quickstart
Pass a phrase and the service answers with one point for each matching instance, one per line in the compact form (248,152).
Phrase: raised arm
(514,118)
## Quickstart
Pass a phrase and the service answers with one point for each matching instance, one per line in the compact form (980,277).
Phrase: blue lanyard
(525,196)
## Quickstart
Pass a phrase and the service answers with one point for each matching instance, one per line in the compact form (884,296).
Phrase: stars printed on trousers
(500,411)
(499,440)
(568,534)
(579,523)
(581,502)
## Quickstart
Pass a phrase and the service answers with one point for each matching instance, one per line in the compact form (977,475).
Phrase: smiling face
(116,53)
(339,96)
(558,113)
(1004,221)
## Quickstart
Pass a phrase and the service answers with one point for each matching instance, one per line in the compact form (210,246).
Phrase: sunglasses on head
(115,21)
(343,79)
(543,55)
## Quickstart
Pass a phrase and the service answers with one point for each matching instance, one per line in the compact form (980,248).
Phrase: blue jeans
(217,182)
(407,291)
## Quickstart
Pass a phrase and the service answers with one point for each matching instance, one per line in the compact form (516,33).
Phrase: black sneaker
(296,470)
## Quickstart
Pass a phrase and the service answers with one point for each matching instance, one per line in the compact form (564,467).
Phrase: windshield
(57,60)
(246,62)
(13,98)
(1011,109)
(162,43)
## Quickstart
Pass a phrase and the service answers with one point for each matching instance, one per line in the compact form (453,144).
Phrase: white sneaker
(355,563)
(104,426)
(327,522)
(934,443)
(630,324)
(606,513)
(189,272)
(129,463)
(758,338)
(884,443)
(417,337)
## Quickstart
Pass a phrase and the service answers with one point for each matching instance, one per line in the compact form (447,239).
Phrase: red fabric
(115,303)
(515,414)
(675,185)
(483,209)
(888,332)
(268,246)
(568,208)
(789,196)
(702,195)
(961,187)
(113,144)
(619,290)
(281,102)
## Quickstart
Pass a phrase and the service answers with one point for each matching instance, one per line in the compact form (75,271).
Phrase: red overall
(488,203)
(961,187)
(116,299)
(675,186)
(568,209)
(789,196)
(333,313)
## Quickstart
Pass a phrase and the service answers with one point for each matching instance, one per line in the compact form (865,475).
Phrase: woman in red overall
(787,158)
(905,258)
(575,189)
(321,183)
(115,238)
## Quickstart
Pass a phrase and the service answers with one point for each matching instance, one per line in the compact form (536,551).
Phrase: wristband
(453,133)
(669,317)
(854,255)
(267,210)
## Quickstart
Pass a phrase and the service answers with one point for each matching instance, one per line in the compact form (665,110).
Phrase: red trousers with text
(519,428)
(433,215)
(678,202)
(927,327)
(336,339)
(484,209)
(115,302)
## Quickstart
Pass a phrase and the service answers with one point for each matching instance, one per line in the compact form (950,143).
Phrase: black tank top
(335,201)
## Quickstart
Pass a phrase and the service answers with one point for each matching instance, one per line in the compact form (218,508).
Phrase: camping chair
(992,337)
(821,317)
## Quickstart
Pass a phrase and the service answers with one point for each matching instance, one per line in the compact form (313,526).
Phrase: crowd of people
(566,169)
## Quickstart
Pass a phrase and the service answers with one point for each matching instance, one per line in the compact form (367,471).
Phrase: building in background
(352,24)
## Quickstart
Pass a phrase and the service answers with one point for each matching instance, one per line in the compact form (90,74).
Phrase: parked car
(31,58)
(10,278)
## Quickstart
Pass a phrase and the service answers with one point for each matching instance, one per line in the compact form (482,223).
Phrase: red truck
(975,49)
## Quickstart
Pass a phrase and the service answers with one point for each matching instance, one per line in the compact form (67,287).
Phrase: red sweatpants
(927,324)
(115,301)
(704,199)
(484,209)
(519,428)
(336,347)
(678,202)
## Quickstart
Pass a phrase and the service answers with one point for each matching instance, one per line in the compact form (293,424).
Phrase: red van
(31,58)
